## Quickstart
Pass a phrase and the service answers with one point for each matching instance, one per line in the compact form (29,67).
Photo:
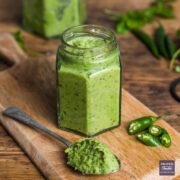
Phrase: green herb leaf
(138,18)
(164,12)
(19,39)
(134,20)
(121,28)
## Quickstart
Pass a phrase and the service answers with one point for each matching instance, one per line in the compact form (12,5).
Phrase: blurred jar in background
(49,18)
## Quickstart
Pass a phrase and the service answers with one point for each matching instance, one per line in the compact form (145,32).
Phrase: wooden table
(145,77)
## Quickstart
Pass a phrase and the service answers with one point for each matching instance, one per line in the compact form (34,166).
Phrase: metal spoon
(20,116)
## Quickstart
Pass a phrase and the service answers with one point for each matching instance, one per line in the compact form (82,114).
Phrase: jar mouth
(92,30)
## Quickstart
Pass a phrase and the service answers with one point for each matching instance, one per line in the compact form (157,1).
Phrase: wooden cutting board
(30,85)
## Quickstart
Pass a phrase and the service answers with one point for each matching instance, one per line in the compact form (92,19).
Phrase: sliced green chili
(141,124)
(155,130)
(165,139)
(148,139)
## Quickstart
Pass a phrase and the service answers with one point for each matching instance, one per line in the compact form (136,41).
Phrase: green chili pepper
(155,130)
(165,139)
(170,46)
(148,41)
(160,41)
(148,139)
(141,124)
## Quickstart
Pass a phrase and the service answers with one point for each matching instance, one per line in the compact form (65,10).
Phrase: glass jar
(88,80)
(49,18)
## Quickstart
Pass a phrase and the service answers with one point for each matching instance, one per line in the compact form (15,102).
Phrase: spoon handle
(18,115)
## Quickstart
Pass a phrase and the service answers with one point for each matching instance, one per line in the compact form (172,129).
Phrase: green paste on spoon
(90,156)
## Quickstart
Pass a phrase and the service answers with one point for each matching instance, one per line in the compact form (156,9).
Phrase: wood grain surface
(30,84)
(144,76)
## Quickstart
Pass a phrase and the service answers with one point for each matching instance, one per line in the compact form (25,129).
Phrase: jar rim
(107,32)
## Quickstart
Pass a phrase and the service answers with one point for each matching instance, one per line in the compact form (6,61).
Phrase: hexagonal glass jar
(88,80)
(50,18)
